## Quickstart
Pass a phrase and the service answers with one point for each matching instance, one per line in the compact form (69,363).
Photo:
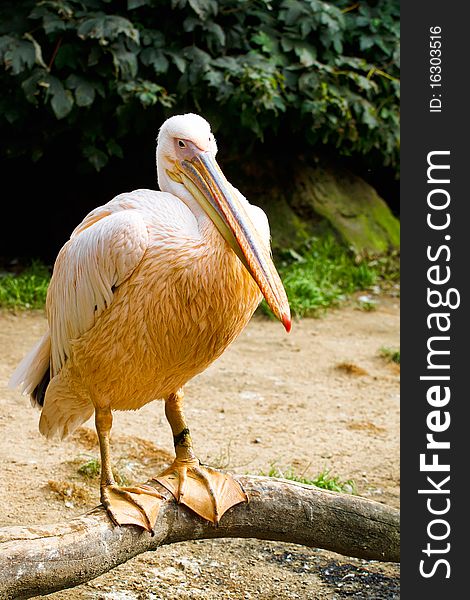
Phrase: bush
(321,73)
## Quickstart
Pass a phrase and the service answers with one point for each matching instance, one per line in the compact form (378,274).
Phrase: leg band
(178,439)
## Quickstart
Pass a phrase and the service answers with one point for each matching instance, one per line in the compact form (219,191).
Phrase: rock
(268,183)
(308,197)
(288,229)
(350,205)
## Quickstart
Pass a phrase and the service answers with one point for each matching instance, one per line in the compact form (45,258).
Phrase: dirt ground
(318,398)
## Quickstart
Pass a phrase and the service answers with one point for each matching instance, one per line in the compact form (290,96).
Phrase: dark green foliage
(100,70)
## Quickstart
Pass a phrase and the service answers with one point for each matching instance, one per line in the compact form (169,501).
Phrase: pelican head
(186,152)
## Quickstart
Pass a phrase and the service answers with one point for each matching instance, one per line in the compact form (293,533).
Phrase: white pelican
(150,289)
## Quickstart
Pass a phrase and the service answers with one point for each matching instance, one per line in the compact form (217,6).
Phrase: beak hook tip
(287,322)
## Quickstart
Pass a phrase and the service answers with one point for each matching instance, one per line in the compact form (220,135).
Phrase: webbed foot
(136,505)
(207,492)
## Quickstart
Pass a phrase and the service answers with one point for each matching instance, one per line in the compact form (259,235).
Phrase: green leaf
(114,149)
(369,116)
(95,157)
(152,37)
(125,62)
(107,28)
(37,50)
(61,100)
(191,23)
(53,24)
(217,32)
(30,85)
(84,90)
(84,94)
(154,57)
(115,25)
(92,28)
(147,92)
(132,4)
(267,43)
(308,82)
(306,53)
(292,11)
(18,55)
(228,63)
(203,8)
(366,42)
(214,79)
(178,60)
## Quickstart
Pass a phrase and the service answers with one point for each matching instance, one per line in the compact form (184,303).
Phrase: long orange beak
(203,177)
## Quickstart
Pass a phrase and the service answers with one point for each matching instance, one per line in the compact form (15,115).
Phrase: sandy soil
(320,398)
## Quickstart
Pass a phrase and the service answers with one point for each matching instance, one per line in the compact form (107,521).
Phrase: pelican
(149,290)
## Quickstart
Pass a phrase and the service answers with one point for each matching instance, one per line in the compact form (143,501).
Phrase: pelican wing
(101,254)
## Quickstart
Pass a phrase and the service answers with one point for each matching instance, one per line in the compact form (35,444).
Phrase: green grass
(323,480)
(26,290)
(366,304)
(91,469)
(390,354)
(326,273)
(323,275)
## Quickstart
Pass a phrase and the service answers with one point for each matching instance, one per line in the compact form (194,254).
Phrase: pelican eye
(181,144)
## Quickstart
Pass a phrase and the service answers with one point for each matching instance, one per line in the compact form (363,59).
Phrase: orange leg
(206,491)
(137,505)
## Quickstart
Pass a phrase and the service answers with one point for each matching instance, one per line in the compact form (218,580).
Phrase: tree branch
(42,559)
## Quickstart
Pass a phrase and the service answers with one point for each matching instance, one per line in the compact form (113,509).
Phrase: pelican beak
(202,176)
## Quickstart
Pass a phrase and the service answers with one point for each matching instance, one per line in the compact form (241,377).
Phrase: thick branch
(44,558)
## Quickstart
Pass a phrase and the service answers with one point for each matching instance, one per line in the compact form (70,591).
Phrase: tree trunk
(41,559)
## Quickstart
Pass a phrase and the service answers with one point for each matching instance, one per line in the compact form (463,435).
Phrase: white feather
(29,373)
(100,255)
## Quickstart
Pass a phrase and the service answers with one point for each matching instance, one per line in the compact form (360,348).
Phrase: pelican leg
(207,492)
(136,505)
